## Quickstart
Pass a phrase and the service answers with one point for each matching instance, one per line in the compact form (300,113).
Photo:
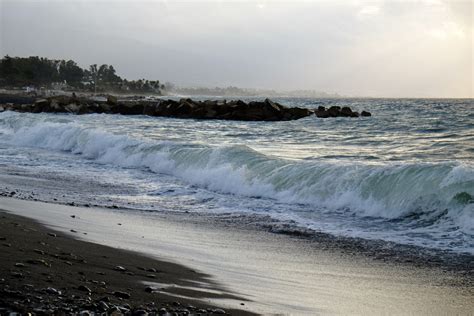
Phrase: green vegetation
(41,72)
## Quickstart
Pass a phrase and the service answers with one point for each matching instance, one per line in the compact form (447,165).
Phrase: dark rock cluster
(337,111)
(266,110)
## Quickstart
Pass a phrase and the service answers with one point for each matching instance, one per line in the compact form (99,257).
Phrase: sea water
(404,175)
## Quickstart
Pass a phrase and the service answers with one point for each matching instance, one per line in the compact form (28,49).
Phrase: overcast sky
(386,48)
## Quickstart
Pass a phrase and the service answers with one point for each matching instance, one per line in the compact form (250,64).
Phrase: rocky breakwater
(266,110)
(337,111)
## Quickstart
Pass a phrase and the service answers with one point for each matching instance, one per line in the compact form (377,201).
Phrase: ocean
(404,175)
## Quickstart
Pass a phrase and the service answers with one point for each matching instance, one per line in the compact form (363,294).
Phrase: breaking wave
(422,193)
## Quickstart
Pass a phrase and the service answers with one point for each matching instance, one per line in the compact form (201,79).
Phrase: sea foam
(423,192)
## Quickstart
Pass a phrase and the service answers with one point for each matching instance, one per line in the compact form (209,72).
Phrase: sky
(379,48)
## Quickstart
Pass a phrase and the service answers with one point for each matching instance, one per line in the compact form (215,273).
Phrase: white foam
(389,191)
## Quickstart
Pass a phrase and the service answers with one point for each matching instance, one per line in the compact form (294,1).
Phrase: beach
(204,263)
(46,272)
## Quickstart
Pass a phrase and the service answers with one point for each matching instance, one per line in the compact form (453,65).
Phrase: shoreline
(45,271)
(296,276)
(459,263)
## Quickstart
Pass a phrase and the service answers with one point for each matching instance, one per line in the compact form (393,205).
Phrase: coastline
(45,271)
(275,273)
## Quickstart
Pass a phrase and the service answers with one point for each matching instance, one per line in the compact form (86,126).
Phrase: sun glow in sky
(419,48)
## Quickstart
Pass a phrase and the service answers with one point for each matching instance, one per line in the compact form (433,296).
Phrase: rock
(321,113)
(297,113)
(162,311)
(52,290)
(346,111)
(111,100)
(72,108)
(149,109)
(19,265)
(266,110)
(17,275)
(52,234)
(128,109)
(140,312)
(123,295)
(103,306)
(38,261)
(151,276)
(114,310)
(365,113)
(334,111)
(40,105)
(84,288)
(120,268)
(218,311)
(149,289)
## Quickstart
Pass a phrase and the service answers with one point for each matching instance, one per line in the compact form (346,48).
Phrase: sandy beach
(46,272)
(205,264)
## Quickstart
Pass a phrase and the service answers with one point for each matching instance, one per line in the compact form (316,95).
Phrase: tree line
(40,72)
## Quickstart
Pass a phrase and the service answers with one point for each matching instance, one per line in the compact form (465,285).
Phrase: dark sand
(42,271)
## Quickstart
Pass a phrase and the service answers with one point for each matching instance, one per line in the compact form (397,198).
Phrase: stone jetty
(185,108)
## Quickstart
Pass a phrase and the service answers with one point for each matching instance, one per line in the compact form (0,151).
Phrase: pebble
(52,290)
(38,251)
(122,294)
(149,289)
(52,234)
(114,310)
(120,268)
(151,276)
(218,311)
(19,265)
(73,231)
(162,311)
(38,261)
(103,306)
(84,288)
(17,275)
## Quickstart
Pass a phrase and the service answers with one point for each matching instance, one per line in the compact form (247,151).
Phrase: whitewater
(404,175)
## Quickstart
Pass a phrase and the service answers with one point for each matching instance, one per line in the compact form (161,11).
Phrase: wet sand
(45,271)
(269,273)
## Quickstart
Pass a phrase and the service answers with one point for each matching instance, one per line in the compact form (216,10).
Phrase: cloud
(380,48)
